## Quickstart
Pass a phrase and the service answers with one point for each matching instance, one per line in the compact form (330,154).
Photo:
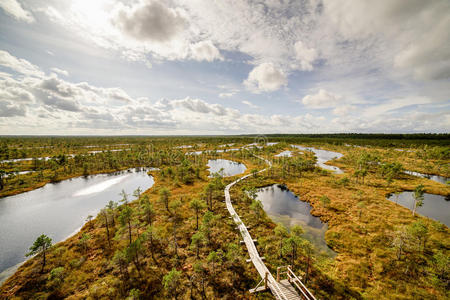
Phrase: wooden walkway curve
(280,290)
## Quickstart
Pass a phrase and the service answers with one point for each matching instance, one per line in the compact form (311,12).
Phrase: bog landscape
(353,216)
(224,149)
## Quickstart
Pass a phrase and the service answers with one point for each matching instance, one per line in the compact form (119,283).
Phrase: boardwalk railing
(292,278)
(252,251)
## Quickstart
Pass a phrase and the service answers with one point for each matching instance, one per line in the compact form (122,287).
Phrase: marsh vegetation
(174,238)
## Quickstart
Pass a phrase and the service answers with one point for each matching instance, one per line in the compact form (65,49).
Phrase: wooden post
(266,278)
(278,274)
(288,270)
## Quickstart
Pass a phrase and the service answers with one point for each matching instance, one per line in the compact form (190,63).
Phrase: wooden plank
(289,290)
(257,261)
(258,289)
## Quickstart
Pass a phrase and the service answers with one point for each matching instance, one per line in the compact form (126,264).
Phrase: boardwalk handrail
(252,251)
(305,292)
(292,278)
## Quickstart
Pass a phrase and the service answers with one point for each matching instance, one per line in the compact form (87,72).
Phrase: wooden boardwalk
(279,290)
(288,290)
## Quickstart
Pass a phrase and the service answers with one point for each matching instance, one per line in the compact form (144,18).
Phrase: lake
(437,178)
(230,168)
(436,207)
(322,157)
(59,210)
(283,206)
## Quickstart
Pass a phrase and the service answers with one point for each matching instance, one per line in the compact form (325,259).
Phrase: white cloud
(395,104)
(396,39)
(226,95)
(306,56)
(60,71)
(200,106)
(14,9)
(251,105)
(265,78)
(18,65)
(322,99)
(205,50)
(343,110)
(11,91)
(408,35)
(81,106)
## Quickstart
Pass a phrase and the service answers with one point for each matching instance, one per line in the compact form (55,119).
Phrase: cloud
(205,50)
(18,65)
(200,106)
(14,9)
(57,87)
(61,72)
(428,58)
(11,91)
(62,103)
(411,36)
(116,94)
(265,78)
(8,109)
(251,105)
(306,56)
(34,102)
(226,95)
(150,20)
(396,40)
(322,99)
(344,110)
(395,104)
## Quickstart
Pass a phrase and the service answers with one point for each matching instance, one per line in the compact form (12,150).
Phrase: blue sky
(223,67)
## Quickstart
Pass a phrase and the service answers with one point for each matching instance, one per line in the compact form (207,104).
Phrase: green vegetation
(40,246)
(176,239)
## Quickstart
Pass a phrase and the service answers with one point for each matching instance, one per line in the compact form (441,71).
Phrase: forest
(177,240)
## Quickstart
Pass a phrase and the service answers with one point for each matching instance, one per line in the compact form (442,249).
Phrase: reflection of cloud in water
(437,178)
(434,206)
(286,153)
(284,207)
(100,186)
(322,157)
(230,168)
(55,211)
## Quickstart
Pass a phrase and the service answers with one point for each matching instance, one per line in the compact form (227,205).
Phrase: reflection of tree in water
(285,207)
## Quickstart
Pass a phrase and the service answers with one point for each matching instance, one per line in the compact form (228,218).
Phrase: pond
(437,178)
(30,159)
(59,210)
(436,207)
(322,157)
(211,151)
(282,206)
(230,168)
(286,153)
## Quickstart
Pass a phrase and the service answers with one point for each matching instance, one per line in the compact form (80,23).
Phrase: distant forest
(362,139)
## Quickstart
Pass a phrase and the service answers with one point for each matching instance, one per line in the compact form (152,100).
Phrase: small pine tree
(171,282)
(41,245)
(418,197)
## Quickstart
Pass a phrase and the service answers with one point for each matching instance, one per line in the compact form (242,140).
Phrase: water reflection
(322,157)
(437,178)
(436,207)
(58,209)
(284,207)
(286,153)
(225,167)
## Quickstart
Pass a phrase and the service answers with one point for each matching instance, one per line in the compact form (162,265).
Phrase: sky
(163,67)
